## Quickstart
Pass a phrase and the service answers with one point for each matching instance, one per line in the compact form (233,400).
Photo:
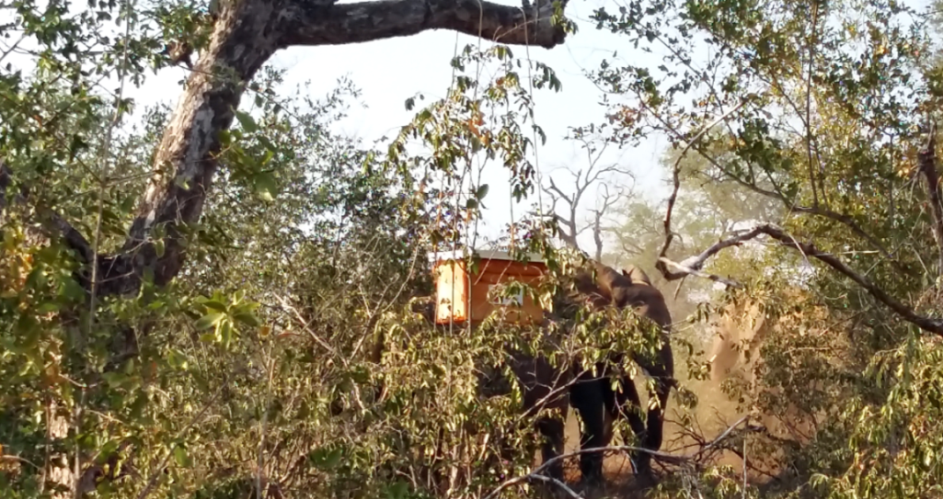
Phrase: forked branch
(817,210)
(688,267)
(582,181)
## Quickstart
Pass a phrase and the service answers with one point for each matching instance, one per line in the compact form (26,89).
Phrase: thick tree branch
(52,225)
(244,37)
(926,164)
(810,251)
(685,271)
(676,186)
(696,263)
(307,23)
(6,179)
(568,239)
(570,222)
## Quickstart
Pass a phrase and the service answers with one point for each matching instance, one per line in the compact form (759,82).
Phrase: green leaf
(247,122)
(159,247)
(325,458)
(266,143)
(214,304)
(176,359)
(224,332)
(209,320)
(397,490)
(266,186)
(481,192)
(47,307)
(181,457)
(248,319)
(156,305)
(71,290)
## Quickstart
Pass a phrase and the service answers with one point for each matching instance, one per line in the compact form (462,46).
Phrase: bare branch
(685,271)
(554,189)
(671,458)
(928,324)
(567,238)
(723,435)
(581,184)
(676,180)
(634,250)
(555,195)
(696,263)
(608,201)
(815,210)
(546,464)
(853,226)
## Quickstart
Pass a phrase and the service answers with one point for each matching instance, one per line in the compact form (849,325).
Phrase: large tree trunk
(245,36)
(246,33)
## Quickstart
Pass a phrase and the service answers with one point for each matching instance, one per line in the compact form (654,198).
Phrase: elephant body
(593,397)
(596,403)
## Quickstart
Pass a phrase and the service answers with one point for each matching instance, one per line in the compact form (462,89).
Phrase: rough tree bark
(245,34)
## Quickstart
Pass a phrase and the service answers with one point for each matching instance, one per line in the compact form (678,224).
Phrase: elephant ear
(636,275)
(424,306)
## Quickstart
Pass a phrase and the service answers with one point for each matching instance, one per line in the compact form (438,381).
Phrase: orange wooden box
(459,291)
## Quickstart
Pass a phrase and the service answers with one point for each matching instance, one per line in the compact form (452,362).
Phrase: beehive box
(462,295)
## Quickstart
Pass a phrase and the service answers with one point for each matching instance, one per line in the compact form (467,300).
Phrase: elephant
(596,403)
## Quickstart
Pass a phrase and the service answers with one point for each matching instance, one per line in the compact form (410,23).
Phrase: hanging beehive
(462,295)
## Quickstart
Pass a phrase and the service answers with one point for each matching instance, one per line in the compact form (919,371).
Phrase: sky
(389,71)
(392,70)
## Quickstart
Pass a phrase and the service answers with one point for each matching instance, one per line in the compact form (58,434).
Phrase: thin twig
(546,464)
(155,473)
(808,106)
(570,492)
(722,436)
(676,175)
(536,473)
